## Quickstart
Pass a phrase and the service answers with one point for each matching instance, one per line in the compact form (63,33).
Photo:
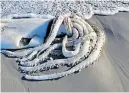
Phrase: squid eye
(25,41)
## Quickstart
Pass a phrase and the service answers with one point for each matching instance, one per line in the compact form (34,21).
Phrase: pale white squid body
(86,39)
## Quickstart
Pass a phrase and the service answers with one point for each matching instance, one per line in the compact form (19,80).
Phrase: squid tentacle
(92,57)
(86,38)
(84,51)
(68,25)
(67,53)
(36,61)
(59,62)
(16,55)
(29,58)
(76,56)
(79,28)
(75,34)
(53,34)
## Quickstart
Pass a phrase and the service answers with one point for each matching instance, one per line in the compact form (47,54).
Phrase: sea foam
(50,8)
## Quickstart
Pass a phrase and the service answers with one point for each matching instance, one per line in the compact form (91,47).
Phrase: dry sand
(109,73)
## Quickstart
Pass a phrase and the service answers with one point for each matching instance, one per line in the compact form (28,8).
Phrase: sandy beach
(109,74)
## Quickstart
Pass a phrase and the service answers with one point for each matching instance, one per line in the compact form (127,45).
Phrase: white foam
(48,9)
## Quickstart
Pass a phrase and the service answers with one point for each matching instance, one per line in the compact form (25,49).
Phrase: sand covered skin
(110,73)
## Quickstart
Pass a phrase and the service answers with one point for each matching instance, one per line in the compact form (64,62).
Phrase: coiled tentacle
(67,53)
(79,28)
(85,38)
(41,58)
(92,57)
(84,51)
(53,33)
